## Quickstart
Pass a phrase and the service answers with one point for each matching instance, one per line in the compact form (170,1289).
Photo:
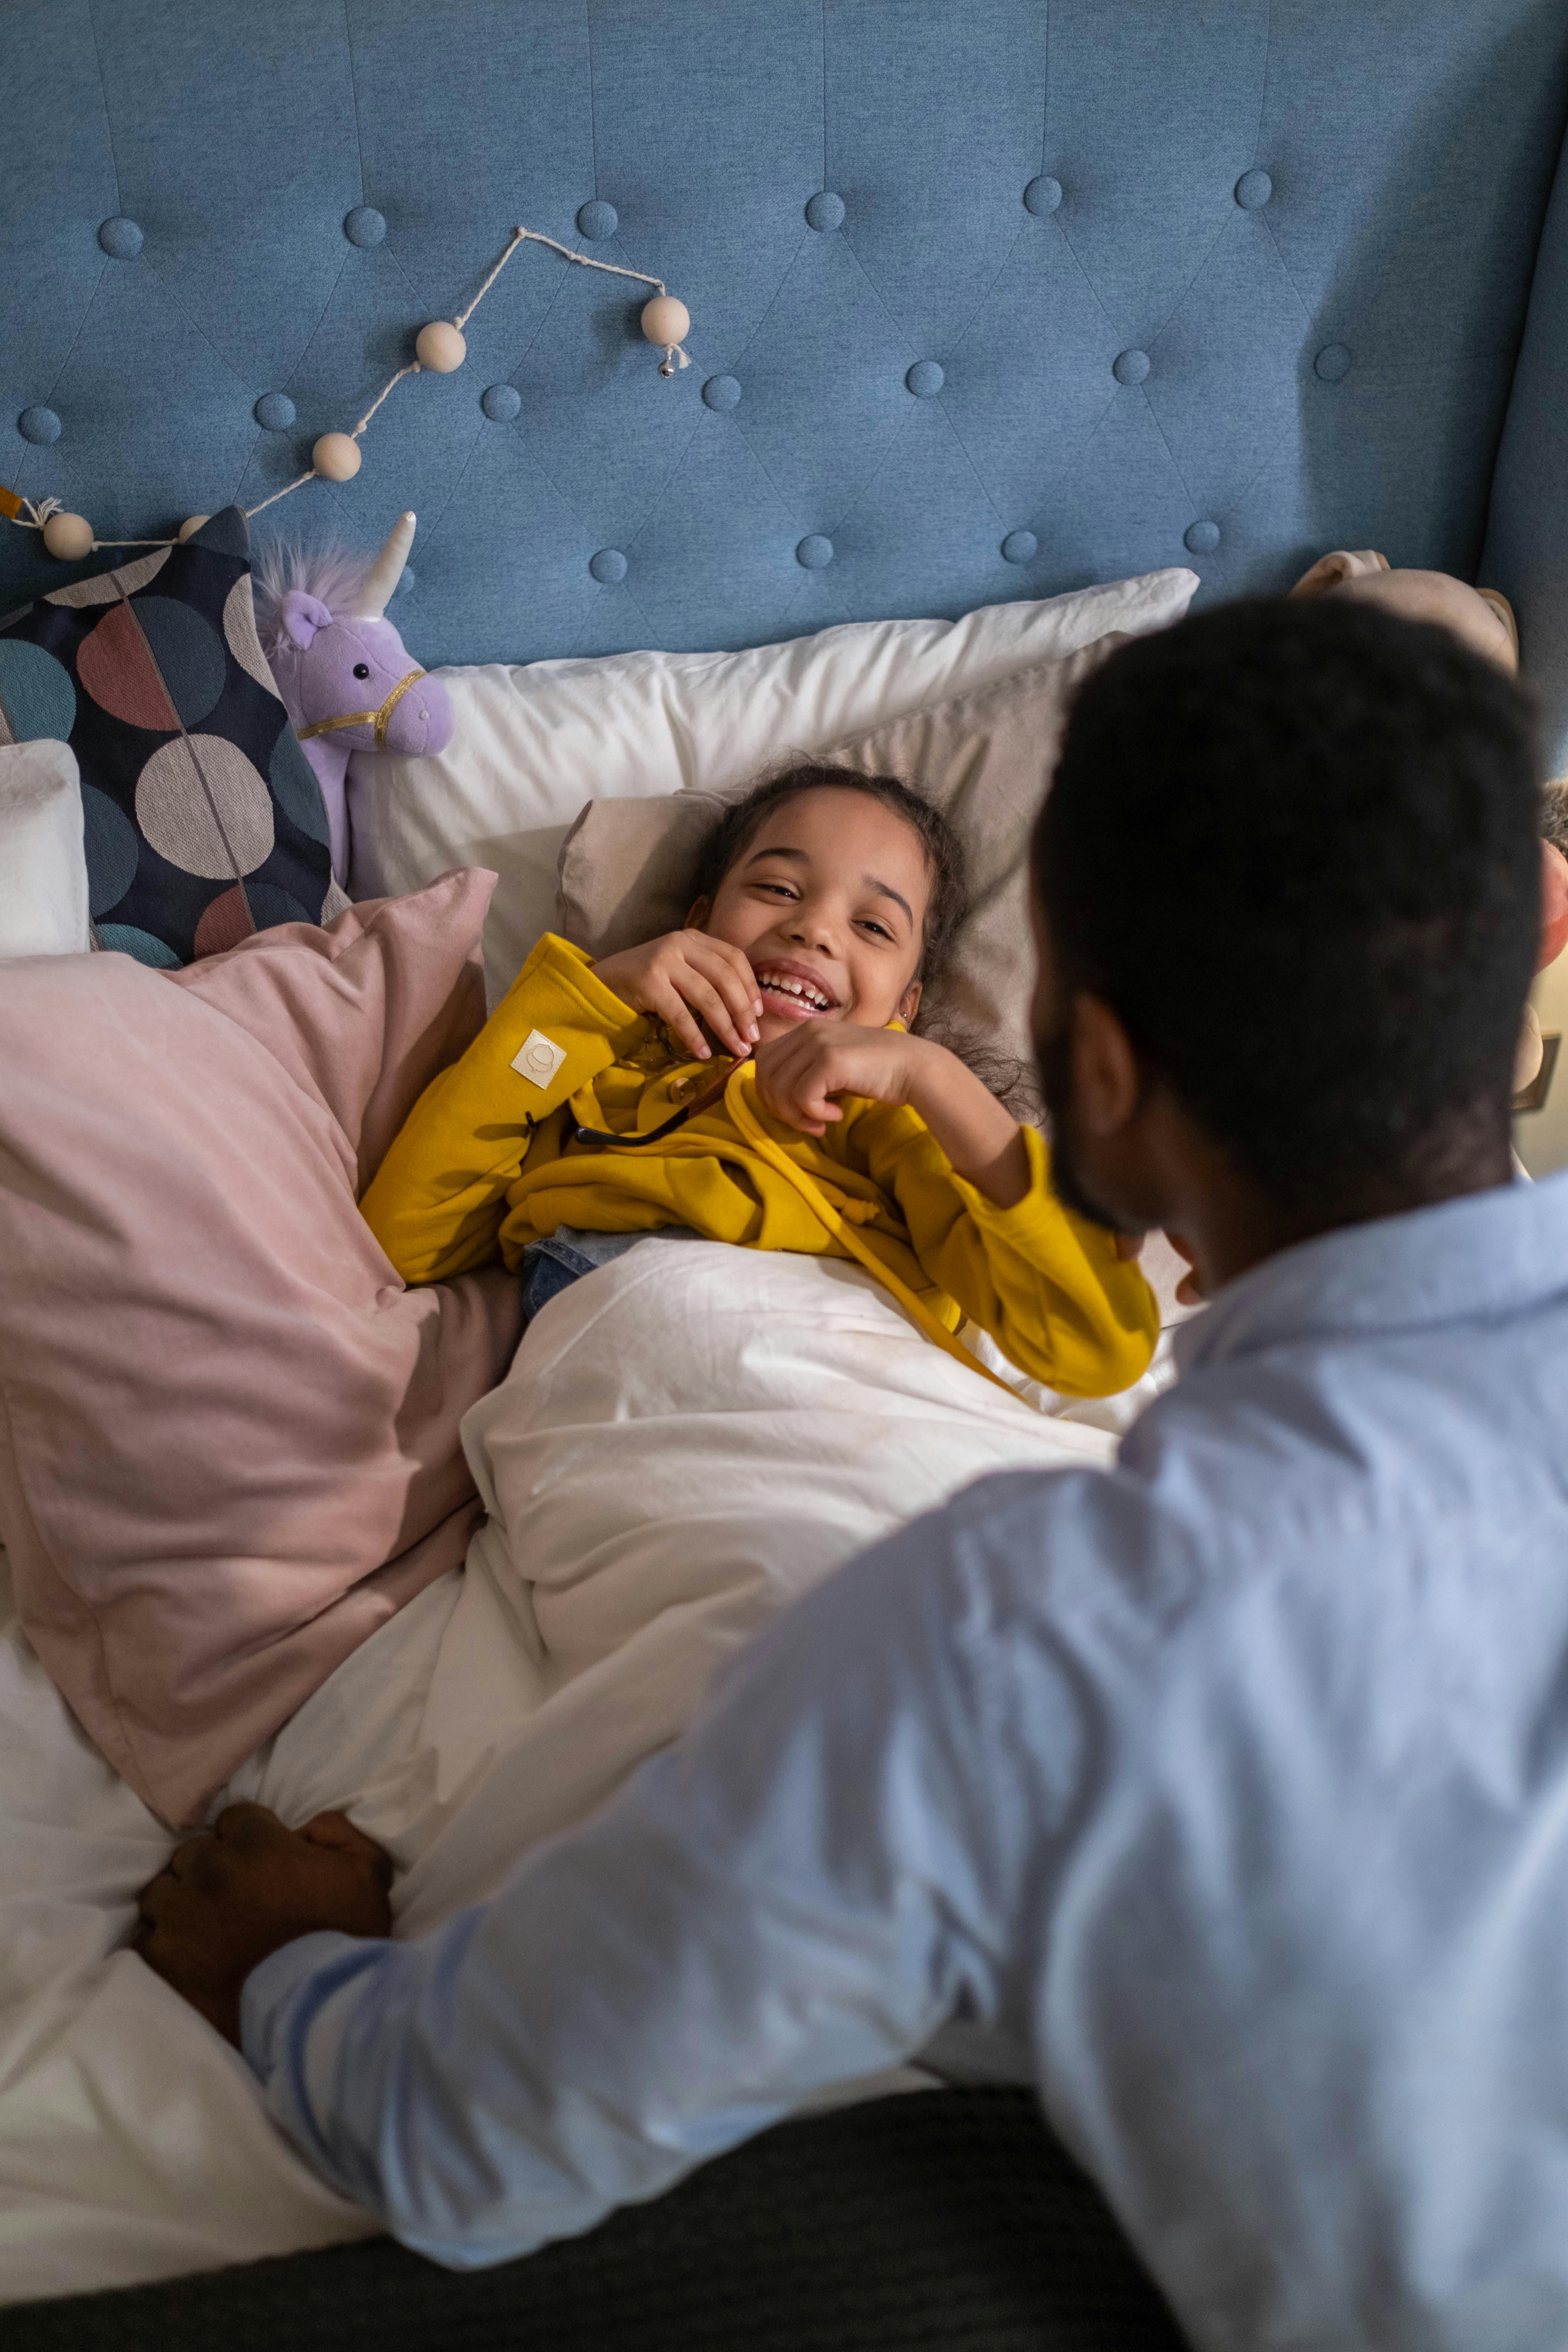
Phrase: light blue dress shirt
(1225,1796)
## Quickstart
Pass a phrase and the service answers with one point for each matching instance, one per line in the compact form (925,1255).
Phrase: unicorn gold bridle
(364,718)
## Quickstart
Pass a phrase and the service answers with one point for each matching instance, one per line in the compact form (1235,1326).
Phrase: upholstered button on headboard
(986,299)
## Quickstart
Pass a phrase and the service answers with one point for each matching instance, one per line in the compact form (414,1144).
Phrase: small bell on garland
(665,320)
(441,348)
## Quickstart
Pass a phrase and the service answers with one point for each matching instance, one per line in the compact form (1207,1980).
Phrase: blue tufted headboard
(989,297)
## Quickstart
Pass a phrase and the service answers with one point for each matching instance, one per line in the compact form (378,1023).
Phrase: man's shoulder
(1275,1482)
(1055,1543)
(1019,1558)
(1227,1490)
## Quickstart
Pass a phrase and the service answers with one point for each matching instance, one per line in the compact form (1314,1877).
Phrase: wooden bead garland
(336,457)
(68,536)
(439,347)
(665,320)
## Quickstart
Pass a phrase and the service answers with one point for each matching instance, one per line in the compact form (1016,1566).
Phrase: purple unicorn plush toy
(343,670)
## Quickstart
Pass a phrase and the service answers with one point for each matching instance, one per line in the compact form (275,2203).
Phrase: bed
(987,305)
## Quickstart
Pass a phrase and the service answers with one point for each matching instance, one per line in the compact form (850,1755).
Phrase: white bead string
(37,512)
(673,353)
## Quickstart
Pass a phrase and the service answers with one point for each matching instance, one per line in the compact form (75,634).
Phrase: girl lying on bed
(821,912)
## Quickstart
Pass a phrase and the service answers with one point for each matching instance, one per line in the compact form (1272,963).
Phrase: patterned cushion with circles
(202,818)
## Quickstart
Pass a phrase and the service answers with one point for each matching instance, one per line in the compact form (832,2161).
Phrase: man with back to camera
(1224,1795)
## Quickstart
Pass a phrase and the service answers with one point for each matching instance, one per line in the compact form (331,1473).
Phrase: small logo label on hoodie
(537,1059)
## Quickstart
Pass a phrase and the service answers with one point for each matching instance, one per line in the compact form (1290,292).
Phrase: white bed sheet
(689,1438)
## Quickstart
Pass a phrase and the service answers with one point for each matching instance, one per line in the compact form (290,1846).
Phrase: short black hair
(1296,848)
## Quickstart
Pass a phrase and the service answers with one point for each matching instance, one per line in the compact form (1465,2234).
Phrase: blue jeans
(552,1266)
(549,1267)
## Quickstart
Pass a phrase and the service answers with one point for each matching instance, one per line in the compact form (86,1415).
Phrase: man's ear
(1108,1078)
(1341,563)
(697,914)
(910,1002)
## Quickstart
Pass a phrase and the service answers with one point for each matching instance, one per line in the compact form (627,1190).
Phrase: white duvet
(688,1439)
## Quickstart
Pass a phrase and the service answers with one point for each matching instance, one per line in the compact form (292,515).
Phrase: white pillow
(530,746)
(43,862)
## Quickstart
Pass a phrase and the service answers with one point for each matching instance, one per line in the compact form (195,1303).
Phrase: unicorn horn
(386,571)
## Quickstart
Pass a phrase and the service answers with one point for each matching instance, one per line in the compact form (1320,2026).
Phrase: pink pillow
(228,1435)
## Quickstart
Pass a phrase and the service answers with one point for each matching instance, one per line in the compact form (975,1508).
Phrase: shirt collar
(1485,1254)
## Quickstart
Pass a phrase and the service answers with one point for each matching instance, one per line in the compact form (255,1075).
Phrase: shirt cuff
(572,970)
(555,1029)
(271,1987)
(559,985)
(1048,1234)
(1035,1223)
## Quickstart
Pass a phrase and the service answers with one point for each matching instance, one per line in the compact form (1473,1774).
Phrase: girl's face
(828,902)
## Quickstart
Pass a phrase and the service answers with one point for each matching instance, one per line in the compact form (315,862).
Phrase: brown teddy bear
(1482,618)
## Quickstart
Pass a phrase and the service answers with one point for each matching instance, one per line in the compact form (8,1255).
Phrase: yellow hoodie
(487,1157)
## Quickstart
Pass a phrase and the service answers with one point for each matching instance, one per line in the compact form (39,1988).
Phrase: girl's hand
(685,977)
(798,1075)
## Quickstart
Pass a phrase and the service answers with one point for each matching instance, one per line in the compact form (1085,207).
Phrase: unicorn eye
(362,669)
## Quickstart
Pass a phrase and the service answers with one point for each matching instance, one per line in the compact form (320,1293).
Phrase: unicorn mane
(331,571)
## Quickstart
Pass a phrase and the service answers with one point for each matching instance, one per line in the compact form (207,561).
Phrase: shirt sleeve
(799,1892)
(437,1200)
(1044,1283)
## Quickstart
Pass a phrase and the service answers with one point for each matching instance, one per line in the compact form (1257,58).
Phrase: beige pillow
(984,757)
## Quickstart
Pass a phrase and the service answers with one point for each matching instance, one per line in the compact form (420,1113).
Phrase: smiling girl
(591,1111)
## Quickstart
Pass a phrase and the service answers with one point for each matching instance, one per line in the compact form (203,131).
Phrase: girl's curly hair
(946,906)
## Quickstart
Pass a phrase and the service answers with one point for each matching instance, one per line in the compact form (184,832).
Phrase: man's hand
(228,1897)
(685,977)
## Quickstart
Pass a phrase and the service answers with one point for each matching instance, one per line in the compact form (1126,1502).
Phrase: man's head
(1288,885)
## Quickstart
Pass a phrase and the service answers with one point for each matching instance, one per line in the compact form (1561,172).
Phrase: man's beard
(1053,1059)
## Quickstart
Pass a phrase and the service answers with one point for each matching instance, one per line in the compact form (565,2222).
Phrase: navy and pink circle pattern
(202,819)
